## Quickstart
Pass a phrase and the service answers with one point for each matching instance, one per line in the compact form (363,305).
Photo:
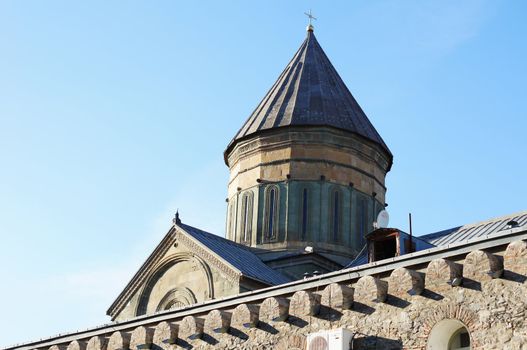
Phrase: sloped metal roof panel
(474,231)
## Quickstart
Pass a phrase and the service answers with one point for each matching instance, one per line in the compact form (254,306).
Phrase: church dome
(309,92)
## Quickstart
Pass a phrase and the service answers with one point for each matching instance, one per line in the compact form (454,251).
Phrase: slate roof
(239,256)
(309,92)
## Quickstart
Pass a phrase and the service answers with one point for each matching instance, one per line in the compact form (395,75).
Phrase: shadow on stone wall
(369,342)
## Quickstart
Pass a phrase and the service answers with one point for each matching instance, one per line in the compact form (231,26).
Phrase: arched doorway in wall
(449,334)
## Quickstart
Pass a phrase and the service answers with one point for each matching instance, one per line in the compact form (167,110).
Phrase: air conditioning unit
(335,339)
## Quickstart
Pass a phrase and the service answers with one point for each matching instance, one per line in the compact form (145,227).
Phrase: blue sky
(114,114)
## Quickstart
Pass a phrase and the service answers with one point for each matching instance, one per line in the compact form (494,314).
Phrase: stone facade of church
(303,265)
(307,171)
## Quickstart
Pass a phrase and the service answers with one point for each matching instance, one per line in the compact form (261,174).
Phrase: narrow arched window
(230,218)
(246,223)
(363,219)
(304,215)
(335,217)
(271,217)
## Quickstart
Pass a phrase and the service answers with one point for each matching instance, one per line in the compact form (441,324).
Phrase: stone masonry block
(165,333)
(97,343)
(57,347)
(405,282)
(191,328)
(217,321)
(77,345)
(141,338)
(274,309)
(245,316)
(481,266)
(515,259)
(119,341)
(371,289)
(440,273)
(304,303)
(337,297)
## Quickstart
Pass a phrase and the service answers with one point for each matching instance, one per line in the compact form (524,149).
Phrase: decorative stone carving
(441,273)
(371,289)
(337,297)
(245,316)
(97,343)
(119,341)
(176,298)
(404,282)
(481,266)
(191,328)
(233,275)
(165,333)
(77,345)
(217,322)
(274,309)
(304,303)
(141,338)
(515,258)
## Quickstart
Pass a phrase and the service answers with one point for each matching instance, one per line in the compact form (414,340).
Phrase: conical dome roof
(309,92)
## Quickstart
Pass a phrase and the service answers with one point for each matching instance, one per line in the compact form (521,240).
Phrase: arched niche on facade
(180,279)
(449,334)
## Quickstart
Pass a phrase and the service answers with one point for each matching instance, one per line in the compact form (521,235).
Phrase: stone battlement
(393,303)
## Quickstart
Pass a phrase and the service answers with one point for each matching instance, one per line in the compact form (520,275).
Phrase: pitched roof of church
(309,92)
(239,256)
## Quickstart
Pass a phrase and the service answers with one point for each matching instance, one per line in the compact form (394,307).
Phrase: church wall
(356,215)
(180,279)
(321,159)
(306,154)
(395,304)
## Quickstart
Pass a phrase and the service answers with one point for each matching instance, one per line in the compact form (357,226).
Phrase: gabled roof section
(309,92)
(239,256)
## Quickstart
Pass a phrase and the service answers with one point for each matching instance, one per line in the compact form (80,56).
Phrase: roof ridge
(219,237)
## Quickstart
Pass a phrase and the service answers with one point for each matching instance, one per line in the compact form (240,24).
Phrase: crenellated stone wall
(394,309)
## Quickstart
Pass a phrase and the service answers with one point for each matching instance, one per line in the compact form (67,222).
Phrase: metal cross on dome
(310,16)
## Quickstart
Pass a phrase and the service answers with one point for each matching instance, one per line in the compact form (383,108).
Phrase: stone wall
(394,309)
(179,279)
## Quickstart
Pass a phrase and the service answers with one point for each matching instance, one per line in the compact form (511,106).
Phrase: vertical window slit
(304,214)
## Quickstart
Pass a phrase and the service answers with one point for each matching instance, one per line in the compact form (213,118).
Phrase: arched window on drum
(271,213)
(246,219)
(336,215)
